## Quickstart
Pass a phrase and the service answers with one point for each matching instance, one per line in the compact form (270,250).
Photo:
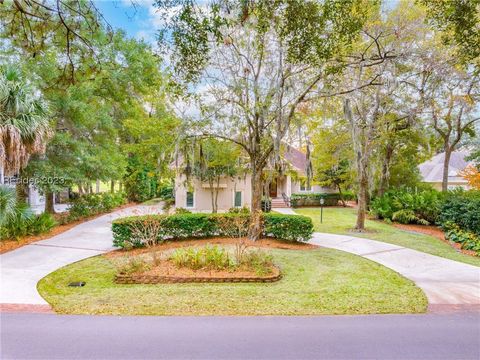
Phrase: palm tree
(24,122)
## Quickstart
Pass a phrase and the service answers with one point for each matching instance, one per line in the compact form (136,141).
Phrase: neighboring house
(236,192)
(432,170)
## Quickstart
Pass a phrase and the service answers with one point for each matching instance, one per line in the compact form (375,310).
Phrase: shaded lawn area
(342,220)
(320,281)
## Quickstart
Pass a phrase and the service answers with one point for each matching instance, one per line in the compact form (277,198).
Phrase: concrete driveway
(21,269)
(444,281)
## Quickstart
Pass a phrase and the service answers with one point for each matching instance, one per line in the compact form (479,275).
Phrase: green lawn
(320,281)
(342,220)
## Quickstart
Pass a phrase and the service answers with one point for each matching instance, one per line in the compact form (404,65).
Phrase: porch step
(278,203)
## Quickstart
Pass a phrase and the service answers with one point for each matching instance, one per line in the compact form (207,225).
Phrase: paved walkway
(21,269)
(444,281)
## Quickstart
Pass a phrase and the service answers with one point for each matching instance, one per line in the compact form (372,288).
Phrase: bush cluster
(313,199)
(25,223)
(94,204)
(468,239)
(133,231)
(408,207)
(463,209)
(216,258)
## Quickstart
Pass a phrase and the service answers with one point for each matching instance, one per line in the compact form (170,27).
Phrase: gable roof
(295,157)
(432,170)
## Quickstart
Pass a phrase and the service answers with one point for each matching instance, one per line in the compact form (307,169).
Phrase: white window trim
(186,200)
(241,202)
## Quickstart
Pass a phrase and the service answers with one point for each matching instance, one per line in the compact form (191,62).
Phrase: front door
(273,188)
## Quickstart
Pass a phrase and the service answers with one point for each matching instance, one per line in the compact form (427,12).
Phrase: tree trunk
(120,186)
(341,195)
(385,176)
(216,193)
(49,202)
(97,186)
(212,195)
(255,228)
(362,203)
(112,186)
(90,188)
(446,163)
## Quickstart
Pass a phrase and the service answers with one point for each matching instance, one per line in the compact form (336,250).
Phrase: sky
(140,21)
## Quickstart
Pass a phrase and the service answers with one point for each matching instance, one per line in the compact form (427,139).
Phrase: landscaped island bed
(314,281)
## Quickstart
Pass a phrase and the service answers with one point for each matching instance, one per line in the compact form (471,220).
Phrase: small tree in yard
(216,160)
(256,62)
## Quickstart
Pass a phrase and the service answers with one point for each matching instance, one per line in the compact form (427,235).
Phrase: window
(238,199)
(303,186)
(189,199)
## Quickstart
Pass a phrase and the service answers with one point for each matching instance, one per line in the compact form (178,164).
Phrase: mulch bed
(434,231)
(175,244)
(9,245)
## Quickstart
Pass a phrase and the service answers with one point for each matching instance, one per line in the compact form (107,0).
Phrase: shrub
(313,199)
(182,226)
(206,257)
(463,209)
(467,239)
(165,192)
(93,204)
(216,258)
(26,223)
(408,207)
(42,223)
(180,210)
(288,227)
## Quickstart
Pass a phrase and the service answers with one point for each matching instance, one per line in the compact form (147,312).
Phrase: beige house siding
(202,194)
(451,185)
(202,197)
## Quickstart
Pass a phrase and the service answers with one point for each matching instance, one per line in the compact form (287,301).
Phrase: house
(236,191)
(432,170)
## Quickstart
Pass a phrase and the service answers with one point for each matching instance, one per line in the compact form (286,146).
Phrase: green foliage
(462,208)
(405,206)
(135,264)
(216,258)
(165,192)
(141,181)
(288,227)
(25,223)
(468,239)
(93,204)
(313,199)
(8,202)
(206,257)
(183,226)
(459,21)
(180,210)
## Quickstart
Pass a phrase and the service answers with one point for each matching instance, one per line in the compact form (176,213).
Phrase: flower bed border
(160,279)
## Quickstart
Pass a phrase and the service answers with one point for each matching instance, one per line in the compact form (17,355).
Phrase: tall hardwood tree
(256,62)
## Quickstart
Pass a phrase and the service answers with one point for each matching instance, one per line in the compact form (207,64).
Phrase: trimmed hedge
(183,226)
(313,199)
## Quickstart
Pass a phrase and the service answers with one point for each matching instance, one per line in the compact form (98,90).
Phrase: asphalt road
(49,336)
